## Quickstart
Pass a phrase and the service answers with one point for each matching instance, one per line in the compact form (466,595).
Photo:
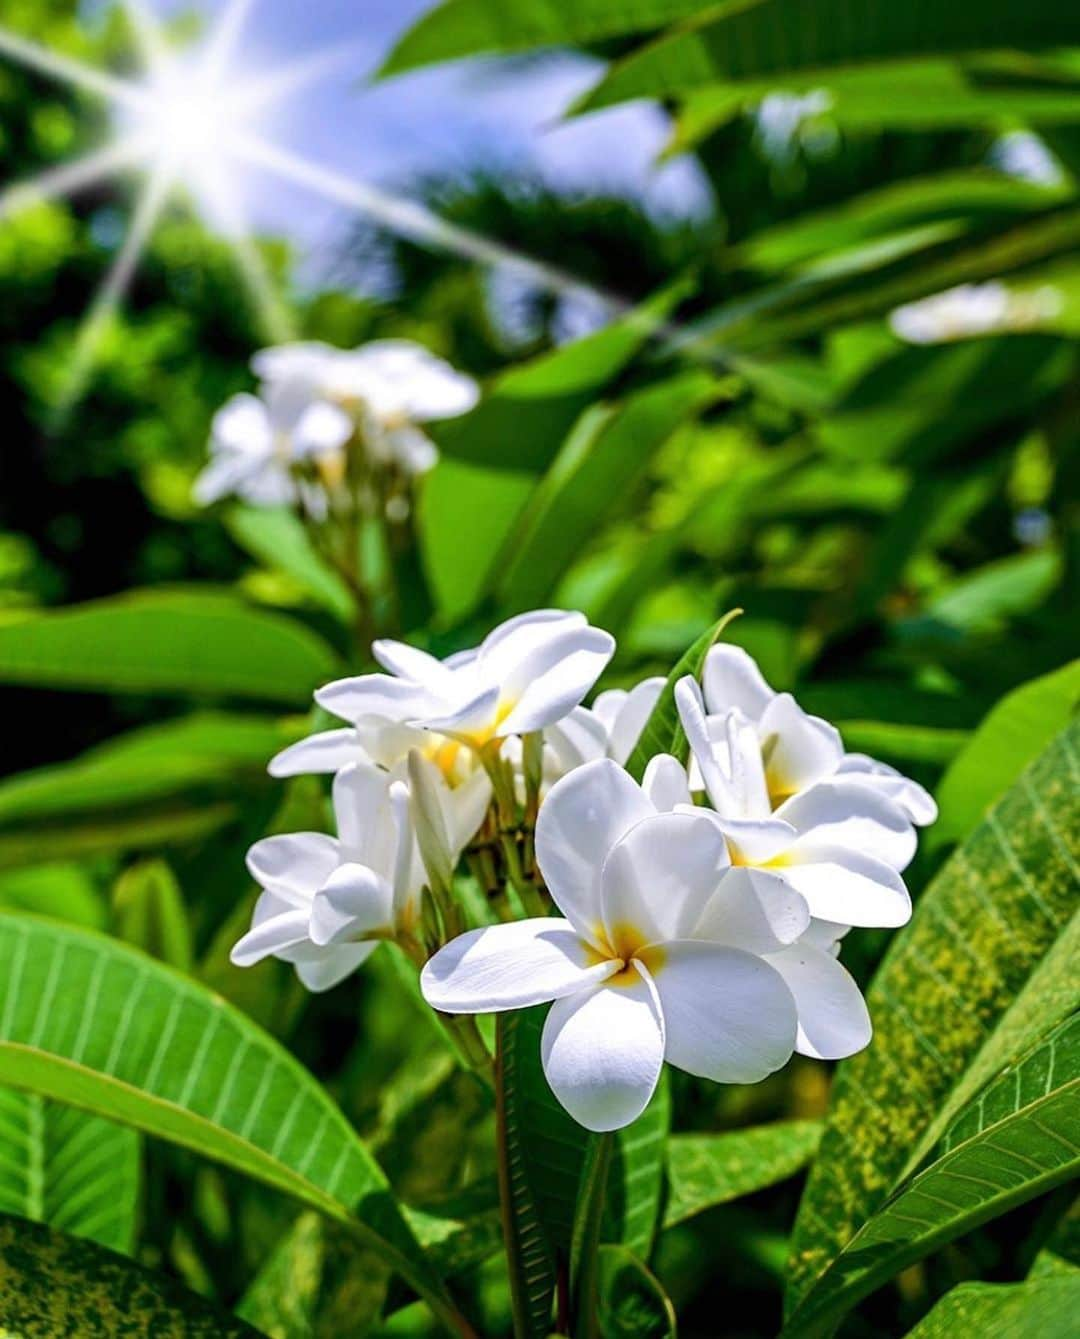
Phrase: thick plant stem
(511,1237)
(585,1243)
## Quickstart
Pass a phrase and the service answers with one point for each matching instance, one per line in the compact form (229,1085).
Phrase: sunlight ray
(260,92)
(110,295)
(68,70)
(68,178)
(225,35)
(417,222)
(149,35)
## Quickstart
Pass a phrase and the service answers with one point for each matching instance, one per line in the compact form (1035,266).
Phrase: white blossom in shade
(528,673)
(839,843)
(798,750)
(257,440)
(661,955)
(388,387)
(457,776)
(327,901)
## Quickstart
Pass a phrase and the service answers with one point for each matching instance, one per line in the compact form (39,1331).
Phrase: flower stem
(585,1242)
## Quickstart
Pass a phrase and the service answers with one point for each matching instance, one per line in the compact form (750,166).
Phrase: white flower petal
(464,807)
(242,427)
(355,900)
(518,638)
(629,721)
(666,783)
(580,737)
(833,1018)
(753,909)
(321,429)
(224,474)
(365,825)
(798,749)
(603,1050)
(548,684)
(825,935)
(376,695)
(411,450)
(606,707)
(583,816)
(409,662)
(327,751)
(294,864)
(732,679)
(691,708)
(274,926)
(755,841)
(850,814)
(911,798)
(299,358)
(658,878)
(847,886)
(471,720)
(510,966)
(332,965)
(728,1016)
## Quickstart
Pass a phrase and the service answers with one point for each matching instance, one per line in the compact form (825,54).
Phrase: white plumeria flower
(799,750)
(839,843)
(528,673)
(389,386)
(255,442)
(327,901)
(458,778)
(659,957)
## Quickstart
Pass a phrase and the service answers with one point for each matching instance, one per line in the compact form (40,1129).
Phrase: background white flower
(654,961)
(322,895)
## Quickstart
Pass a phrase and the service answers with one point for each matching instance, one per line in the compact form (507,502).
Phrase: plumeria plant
(693,918)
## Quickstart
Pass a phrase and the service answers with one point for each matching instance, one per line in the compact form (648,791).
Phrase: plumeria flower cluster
(316,408)
(693,918)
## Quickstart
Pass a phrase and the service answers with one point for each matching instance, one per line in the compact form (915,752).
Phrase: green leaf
(467,27)
(149,912)
(88,1021)
(662,732)
(173,641)
(75,1172)
(277,538)
(66,892)
(71,840)
(900,744)
(52,1284)
(709,1169)
(980,931)
(523,418)
(1004,1310)
(1019,1138)
(633,1303)
(543,1151)
(1013,733)
(777,37)
(598,465)
(318,1281)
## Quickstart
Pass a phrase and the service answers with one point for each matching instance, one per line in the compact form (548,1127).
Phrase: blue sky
(469,114)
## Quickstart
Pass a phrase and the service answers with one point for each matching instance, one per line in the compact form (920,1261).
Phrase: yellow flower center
(625,945)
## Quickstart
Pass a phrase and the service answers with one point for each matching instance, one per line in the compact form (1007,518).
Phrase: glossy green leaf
(600,461)
(171,641)
(543,1151)
(66,892)
(980,931)
(709,1169)
(524,416)
(662,732)
(1004,1310)
(88,1021)
(1019,1138)
(467,27)
(277,537)
(52,1284)
(75,1172)
(777,37)
(144,830)
(1012,734)
(632,1301)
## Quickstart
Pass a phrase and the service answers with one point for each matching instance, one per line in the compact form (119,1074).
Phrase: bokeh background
(889,495)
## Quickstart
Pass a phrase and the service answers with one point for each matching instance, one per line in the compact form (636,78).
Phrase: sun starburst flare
(188,123)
